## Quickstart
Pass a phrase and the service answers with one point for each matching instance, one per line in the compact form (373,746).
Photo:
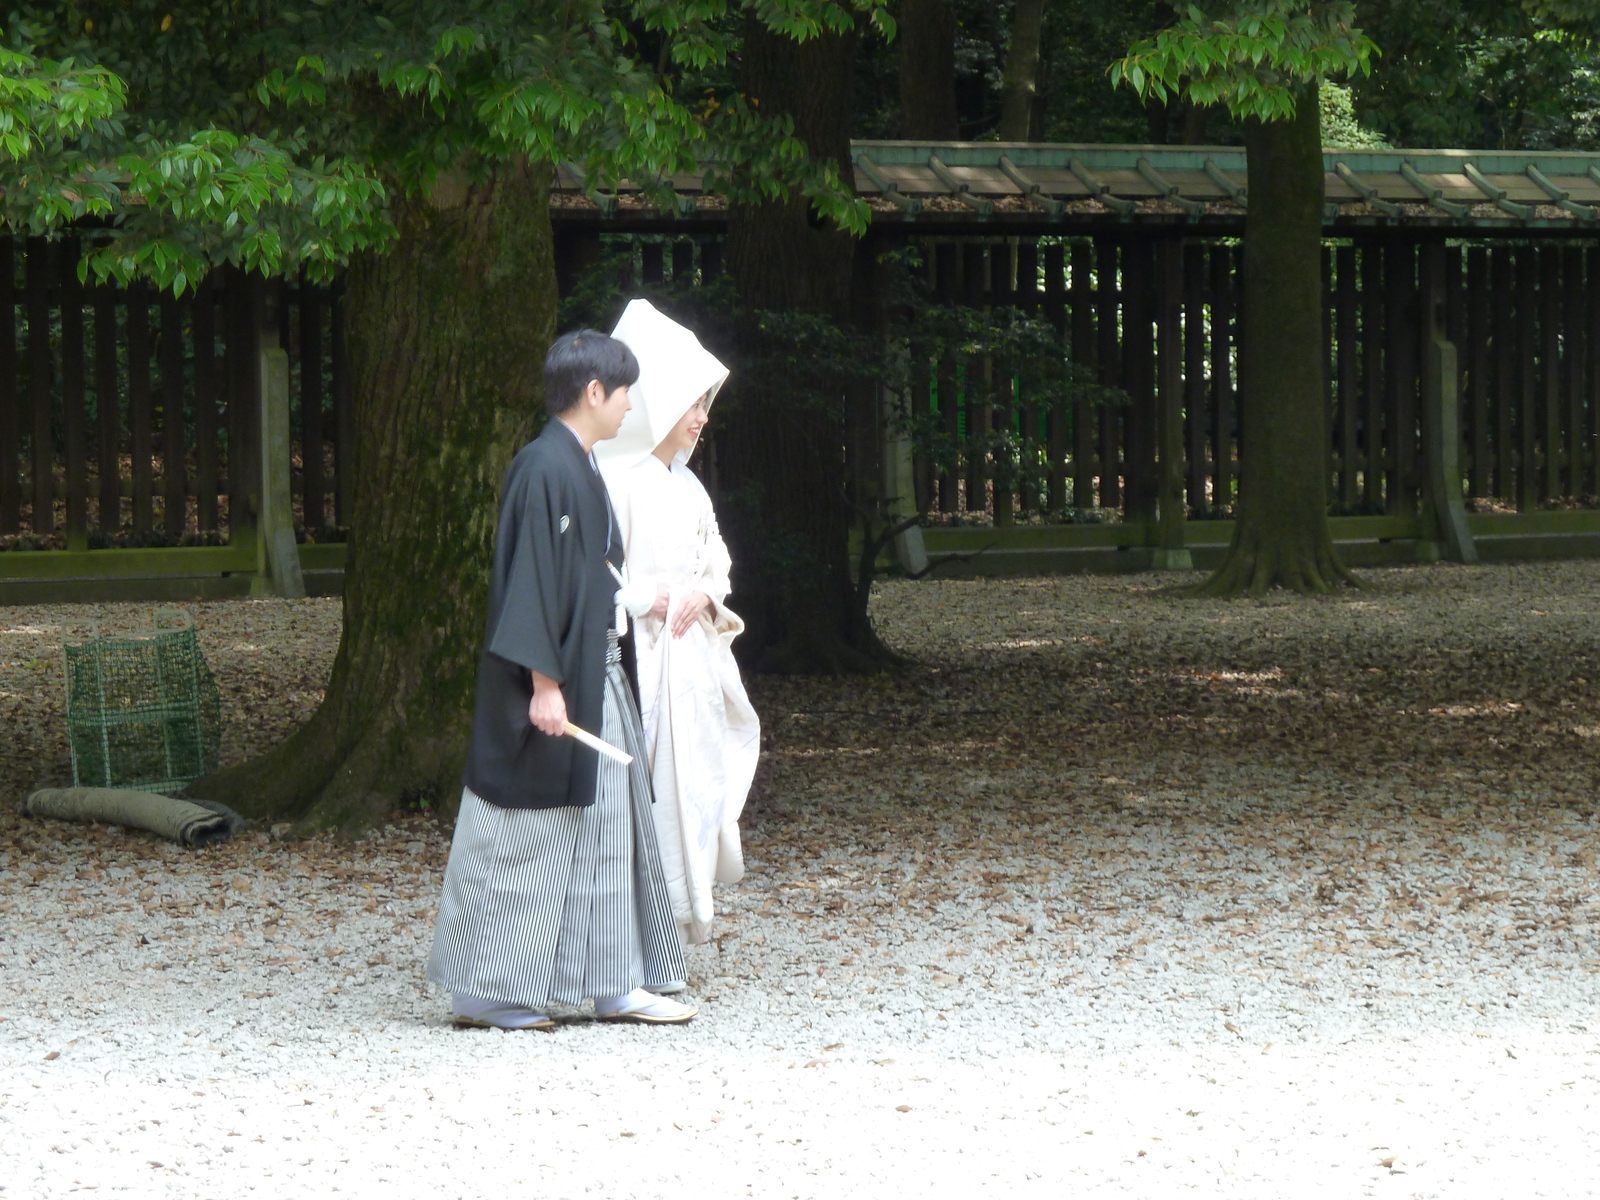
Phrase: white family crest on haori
(702,735)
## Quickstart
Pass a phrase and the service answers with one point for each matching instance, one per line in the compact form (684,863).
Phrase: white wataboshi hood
(674,372)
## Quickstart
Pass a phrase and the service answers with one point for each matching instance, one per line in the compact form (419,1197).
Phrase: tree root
(1254,567)
(816,652)
(325,785)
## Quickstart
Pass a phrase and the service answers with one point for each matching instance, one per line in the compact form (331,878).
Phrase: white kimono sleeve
(716,564)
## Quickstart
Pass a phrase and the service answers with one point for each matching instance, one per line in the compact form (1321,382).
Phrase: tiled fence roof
(1040,185)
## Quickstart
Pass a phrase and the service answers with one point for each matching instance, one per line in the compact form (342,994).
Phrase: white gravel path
(966,960)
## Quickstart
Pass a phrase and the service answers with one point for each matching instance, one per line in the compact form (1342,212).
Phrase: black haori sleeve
(533,604)
(548,611)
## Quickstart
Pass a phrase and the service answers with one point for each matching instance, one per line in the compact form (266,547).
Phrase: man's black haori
(550,604)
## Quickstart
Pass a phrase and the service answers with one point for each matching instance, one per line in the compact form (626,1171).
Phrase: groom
(554,892)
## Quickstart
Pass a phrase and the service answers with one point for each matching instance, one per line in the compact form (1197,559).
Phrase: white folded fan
(584,737)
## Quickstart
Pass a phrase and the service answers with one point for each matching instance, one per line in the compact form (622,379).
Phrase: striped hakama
(558,905)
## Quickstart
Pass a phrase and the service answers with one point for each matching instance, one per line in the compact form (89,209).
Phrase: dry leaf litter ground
(1110,892)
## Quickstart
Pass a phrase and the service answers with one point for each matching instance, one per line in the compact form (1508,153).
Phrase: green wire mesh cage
(142,709)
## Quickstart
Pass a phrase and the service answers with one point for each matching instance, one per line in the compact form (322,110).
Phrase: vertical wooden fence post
(1033,440)
(1170,553)
(204,309)
(279,559)
(975,399)
(1550,367)
(1056,420)
(344,435)
(139,409)
(866,403)
(242,301)
(1441,417)
(1139,303)
(41,372)
(174,446)
(1480,336)
(1331,461)
(1373,492)
(10,478)
(653,260)
(1400,360)
(313,481)
(946,265)
(1194,374)
(1083,413)
(1109,355)
(1527,270)
(1591,389)
(1347,371)
(1008,464)
(683,263)
(1574,354)
(1502,287)
(108,412)
(73,414)
(1223,275)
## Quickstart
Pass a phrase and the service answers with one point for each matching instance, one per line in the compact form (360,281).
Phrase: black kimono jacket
(551,600)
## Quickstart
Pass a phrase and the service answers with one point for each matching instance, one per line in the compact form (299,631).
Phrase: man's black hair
(577,357)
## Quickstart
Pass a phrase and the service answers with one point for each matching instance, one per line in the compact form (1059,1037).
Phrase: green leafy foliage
(276,135)
(1254,57)
(1474,73)
(1567,12)
(173,206)
(42,104)
(1340,127)
(1482,73)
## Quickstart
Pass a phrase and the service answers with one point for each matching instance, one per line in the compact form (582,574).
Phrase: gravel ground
(1108,891)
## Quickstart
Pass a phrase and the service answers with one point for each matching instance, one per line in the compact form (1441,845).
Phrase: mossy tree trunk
(447,334)
(1281,538)
(780,460)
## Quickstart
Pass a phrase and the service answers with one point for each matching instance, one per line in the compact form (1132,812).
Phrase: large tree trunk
(1021,86)
(780,461)
(1281,538)
(447,335)
(927,31)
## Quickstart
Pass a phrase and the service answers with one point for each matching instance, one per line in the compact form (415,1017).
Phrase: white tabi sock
(492,1012)
(643,1001)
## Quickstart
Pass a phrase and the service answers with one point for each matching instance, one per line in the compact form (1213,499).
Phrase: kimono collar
(562,434)
(587,454)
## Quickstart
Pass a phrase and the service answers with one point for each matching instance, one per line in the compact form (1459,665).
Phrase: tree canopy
(1473,73)
(1255,58)
(272,135)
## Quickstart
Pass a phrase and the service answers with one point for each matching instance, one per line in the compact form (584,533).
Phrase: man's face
(610,411)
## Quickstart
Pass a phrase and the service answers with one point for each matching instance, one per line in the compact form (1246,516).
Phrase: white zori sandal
(472,1013)
(644,1008)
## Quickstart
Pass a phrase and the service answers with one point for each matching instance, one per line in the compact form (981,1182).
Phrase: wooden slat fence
(1525,318)
(127,417)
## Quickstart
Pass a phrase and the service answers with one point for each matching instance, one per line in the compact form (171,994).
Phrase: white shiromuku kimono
(702,734)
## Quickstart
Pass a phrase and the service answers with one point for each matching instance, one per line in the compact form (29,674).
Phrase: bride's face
(686,432)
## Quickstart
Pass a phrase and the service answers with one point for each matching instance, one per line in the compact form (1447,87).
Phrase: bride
(702,734)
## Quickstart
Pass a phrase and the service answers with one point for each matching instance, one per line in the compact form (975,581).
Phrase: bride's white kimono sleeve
(704,737)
